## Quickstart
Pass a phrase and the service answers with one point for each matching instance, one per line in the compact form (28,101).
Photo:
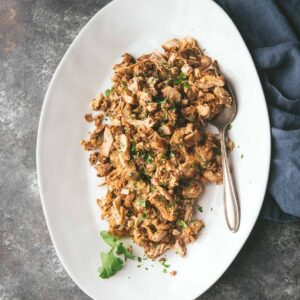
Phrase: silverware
(231,202)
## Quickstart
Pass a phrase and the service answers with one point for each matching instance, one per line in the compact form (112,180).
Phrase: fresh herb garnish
(149,158)
(107,92)
(139,259)
(180,78)
(165,265)
(182,224)
(203,163)
(161,101)
(199,208)
(121,250)
(111,263)
(186,85)
(164,270)
(132,148)
(144,216)
(242,156)
(229,126)
(142,203)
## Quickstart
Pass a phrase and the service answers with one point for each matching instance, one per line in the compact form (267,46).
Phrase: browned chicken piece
(171,94)
(167,212)
(172,44)
(103,169)
(108,140)
(192,191)
(191,232)
(158,143)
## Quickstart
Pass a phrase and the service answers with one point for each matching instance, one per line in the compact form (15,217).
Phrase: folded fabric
(271,30)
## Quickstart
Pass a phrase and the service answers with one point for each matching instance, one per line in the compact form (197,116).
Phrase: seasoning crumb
(242,156)
(173,273)
(88,118)
(146,269)
(162,259)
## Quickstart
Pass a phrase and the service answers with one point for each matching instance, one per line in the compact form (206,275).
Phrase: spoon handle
(231,202)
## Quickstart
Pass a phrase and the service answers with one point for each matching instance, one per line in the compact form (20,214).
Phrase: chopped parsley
(229,127)
(139,259)
(149,158)
(132,148)
(142,203)
(144,216)
(165,265)
(111,263)
(180,78)
(182,224)
(186,85)
(161,101)
(107,92)
(164,270)
(199,208)
(242,156)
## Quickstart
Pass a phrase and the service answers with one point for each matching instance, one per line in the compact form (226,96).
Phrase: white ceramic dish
(68,185)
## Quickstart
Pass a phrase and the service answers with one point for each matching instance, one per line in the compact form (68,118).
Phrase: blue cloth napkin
(271,30)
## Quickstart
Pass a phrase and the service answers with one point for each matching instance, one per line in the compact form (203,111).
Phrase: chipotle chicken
(150,145)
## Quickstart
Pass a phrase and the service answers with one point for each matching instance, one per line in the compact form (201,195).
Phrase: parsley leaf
(108,238)
(110,265)
(181,223)
(229,126)
(121,249)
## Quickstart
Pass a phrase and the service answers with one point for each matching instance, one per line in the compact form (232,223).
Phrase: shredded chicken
(150,145)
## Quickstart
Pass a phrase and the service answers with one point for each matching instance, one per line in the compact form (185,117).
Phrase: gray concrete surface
(34,34)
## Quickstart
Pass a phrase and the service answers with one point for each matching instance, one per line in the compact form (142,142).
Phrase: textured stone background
(34,35)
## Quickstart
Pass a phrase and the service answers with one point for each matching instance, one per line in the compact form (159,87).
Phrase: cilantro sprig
(111,263)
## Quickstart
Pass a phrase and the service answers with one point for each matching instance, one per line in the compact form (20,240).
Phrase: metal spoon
(231,202)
